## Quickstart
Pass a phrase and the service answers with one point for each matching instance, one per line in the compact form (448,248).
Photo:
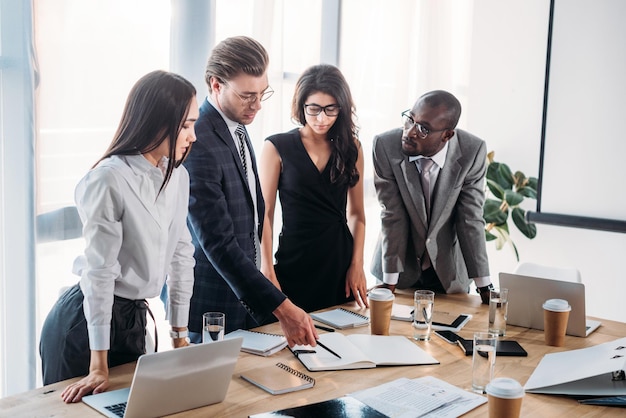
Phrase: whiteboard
(583,159)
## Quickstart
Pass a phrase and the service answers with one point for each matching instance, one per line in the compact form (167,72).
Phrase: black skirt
(64,344)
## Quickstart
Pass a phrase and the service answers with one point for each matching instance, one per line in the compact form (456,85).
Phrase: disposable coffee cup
(555,317)
(504,397)
(381,302)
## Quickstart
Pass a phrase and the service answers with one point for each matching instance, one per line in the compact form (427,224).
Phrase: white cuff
(99,337)
(482,281)
(391,278)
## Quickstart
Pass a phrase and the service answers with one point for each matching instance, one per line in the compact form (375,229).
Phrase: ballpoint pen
(324,328)
(328,349)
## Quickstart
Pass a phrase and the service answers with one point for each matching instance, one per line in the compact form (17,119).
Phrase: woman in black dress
(317,171)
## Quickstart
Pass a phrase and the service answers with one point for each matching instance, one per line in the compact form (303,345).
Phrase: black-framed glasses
(252,98)
(408,123)
(314,110)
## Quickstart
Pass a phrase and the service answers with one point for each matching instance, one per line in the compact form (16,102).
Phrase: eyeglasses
(252,98)
(314,110)
(422,131)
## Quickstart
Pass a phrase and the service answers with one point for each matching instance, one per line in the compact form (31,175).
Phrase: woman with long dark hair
(317,170)
(133,206)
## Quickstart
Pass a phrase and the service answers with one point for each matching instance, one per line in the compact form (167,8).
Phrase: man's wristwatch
(179,334)
(484,293)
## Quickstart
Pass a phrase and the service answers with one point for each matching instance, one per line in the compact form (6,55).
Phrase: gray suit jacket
(221,220)
(455,237)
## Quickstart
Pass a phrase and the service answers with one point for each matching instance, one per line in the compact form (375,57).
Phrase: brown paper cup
(504,397)
(380,316)
(554,326)
(504,407)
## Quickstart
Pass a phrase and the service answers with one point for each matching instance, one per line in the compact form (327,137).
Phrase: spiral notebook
(278,379)
(259,343)
(341,318)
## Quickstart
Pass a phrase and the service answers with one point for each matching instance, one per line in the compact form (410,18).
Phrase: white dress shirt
(135,239)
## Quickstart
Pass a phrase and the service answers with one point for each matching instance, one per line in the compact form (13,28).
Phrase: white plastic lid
(505,387)
(557,305)
(380,293)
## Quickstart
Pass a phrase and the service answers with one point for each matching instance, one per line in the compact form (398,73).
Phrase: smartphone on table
(503,348)
(448,336)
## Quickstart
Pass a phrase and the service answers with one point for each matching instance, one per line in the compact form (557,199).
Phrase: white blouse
(134,240)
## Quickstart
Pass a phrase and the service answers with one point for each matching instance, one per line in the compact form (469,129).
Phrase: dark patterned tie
(426,164)
(241,134)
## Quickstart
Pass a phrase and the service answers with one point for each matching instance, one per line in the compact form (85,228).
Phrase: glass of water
(498,306)
(483,360)
(213,326)
(424,302)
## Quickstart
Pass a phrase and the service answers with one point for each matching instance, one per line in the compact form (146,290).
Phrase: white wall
(504,107)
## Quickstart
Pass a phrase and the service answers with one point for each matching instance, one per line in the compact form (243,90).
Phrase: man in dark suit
(226,208)
(437,245)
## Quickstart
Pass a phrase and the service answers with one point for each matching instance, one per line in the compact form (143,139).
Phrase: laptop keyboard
(117,409)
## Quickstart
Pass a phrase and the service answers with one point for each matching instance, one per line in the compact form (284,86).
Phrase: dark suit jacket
(221,221)
(455,237)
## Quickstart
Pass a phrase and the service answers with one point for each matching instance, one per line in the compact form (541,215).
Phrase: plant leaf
(503,236)
(513,198)
(528,192)
(526,228)
(489,236)
(520,179)
(495,189)
(492,213)
(501,173)
(514,249)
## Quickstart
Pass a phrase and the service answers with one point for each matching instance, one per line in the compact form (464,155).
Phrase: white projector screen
(583,151)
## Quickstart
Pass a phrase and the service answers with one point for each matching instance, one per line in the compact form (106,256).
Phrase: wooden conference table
(244,399)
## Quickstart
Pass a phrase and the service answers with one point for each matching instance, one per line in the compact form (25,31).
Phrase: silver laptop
(173,381)
(527,295)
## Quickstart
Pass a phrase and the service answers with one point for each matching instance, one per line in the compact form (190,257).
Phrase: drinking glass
(213,326)
(498,306)
(424,302)
(483,360)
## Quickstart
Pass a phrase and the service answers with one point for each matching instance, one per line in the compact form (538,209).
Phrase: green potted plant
(505,192)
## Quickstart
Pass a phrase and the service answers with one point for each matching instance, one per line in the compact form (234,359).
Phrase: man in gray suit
(226,208)
(437,244)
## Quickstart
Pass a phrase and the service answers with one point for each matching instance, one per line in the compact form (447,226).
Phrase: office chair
(548,272)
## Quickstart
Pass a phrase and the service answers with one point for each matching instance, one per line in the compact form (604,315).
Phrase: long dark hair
(343,134)
(156,109)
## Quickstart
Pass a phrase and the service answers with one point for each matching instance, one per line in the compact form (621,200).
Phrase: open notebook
(360,351)
(173,381)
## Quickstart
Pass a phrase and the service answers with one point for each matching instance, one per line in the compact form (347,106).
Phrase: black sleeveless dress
(315,244)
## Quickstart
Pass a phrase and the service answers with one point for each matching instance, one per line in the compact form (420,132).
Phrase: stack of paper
(422,397)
